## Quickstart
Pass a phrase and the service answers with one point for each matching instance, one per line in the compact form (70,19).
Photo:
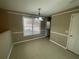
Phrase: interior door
(73,39)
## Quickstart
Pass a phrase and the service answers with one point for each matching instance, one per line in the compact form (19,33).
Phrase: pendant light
(39,17)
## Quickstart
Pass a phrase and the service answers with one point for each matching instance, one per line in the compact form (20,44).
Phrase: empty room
(39,29)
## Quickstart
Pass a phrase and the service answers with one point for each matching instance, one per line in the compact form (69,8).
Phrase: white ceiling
(48,7)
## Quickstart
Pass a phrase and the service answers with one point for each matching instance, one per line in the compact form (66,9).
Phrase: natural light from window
(31,26)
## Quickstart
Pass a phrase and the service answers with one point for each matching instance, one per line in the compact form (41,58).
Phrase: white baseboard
(29,40)
(10,51)
(57,44)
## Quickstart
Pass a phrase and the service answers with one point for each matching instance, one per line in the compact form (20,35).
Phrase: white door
(73,39)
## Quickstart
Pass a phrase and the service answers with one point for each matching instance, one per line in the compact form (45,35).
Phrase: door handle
(70,35)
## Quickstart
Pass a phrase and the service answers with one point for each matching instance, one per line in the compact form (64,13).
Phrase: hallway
(40,49)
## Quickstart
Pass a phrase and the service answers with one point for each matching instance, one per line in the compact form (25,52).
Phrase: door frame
(70,29)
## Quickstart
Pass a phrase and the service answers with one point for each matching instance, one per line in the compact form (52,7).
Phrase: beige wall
(15,25)
(5,44)
(3,21)
(60,24)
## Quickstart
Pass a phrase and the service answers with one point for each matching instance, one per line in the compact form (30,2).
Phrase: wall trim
(8,57)
(17,32)
(57,44)
(10,12)
(66,12)
(28,40)
(59,34)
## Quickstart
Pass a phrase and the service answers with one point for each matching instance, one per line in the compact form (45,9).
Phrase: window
(31,26)
(36,26)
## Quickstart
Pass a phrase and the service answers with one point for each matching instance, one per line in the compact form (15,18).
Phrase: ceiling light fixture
(39,17)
